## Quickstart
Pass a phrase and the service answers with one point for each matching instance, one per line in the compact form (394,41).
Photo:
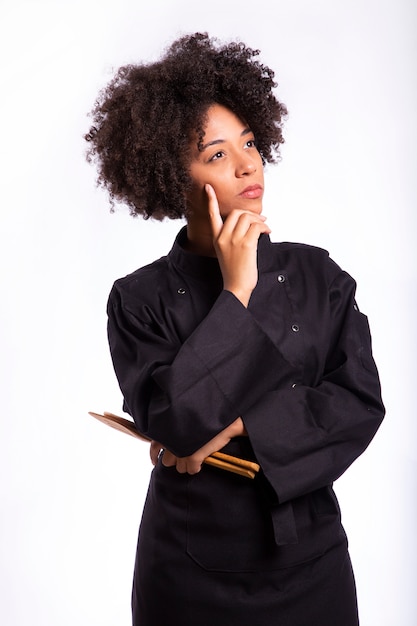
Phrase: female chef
(230,342)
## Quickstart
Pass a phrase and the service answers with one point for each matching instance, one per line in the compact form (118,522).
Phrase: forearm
(192,464)
(211,380)
(305,438)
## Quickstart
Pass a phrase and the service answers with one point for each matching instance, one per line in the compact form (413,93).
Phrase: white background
(71,489)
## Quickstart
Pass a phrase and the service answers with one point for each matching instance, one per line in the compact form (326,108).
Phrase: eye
(216,156)
(251,143)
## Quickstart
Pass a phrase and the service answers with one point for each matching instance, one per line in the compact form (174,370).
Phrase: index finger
(214,211)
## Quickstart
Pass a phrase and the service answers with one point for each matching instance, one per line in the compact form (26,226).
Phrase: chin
(248,205)
(254,207)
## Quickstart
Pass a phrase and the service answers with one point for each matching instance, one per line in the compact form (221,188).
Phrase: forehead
(220,119)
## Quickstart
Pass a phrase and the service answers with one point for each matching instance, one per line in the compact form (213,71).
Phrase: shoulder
(299,250)
(306,258)
(313,274)
(145,280)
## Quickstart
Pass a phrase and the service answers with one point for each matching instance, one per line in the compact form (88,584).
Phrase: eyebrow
(215,142)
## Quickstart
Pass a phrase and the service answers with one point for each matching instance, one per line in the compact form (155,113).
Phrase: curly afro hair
(144,119)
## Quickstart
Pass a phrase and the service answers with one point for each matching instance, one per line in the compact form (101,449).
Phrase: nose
(245,166)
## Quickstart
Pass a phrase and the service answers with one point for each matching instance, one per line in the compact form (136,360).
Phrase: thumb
(214,211)
(154,451)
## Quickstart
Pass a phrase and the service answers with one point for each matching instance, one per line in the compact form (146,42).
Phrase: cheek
(196,199)
(226,204)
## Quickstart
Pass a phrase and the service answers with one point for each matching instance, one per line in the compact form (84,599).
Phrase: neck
(200,238)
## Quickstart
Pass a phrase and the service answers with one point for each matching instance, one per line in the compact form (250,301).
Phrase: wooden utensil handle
(249,465)
(234,464)
(229,467)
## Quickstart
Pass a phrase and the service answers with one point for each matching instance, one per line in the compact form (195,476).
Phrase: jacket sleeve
(182,395)
(305,437)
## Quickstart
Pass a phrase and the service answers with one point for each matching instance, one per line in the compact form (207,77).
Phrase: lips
(252,192)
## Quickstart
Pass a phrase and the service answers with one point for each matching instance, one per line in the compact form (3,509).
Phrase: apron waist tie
(283,522)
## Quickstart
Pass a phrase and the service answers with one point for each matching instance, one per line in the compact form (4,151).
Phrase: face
(230,162)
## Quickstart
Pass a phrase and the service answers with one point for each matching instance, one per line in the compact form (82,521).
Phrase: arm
(192,464)
(305,437)
(185,395)
(236,243)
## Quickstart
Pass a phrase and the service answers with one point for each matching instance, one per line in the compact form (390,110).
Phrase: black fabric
(297,367)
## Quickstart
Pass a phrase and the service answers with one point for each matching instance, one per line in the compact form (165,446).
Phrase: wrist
(237,428)
(243,295)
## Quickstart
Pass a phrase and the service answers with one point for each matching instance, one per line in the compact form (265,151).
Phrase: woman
(230,343)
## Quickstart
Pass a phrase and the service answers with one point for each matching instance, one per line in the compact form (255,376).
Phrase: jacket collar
(204,266)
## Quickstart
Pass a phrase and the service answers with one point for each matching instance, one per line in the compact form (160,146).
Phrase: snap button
(295,328)
(293,385)
(181,291)
(280,278)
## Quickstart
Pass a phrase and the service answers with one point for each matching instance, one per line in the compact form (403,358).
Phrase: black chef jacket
(296,365)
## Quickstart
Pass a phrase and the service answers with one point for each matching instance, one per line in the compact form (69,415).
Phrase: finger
(214,211)
(240,227)
(242,217)
(169,459)
(250,238)
(193,467)
(246,222)
(154,450)
(188,465)
(181,465)
(254,231)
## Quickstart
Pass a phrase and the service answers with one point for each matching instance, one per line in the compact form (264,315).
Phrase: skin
(224,221)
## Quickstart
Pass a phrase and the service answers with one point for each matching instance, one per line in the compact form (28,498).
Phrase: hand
(192,464)
(236,243)
(155,450)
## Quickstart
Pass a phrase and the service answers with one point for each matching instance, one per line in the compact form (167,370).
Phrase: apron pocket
(229,526)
